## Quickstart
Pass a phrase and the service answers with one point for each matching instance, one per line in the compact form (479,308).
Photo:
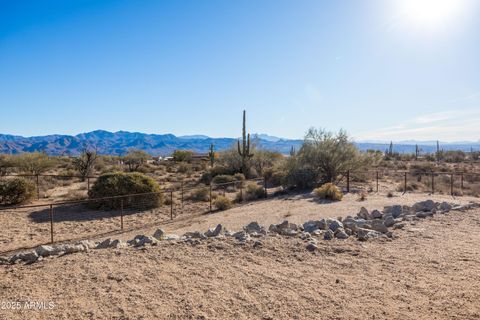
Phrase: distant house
(199,157)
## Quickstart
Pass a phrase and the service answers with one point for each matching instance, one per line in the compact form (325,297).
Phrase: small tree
(33,163)
(85,163)
(135,159)
(5,164)
(325,157)
(182,155)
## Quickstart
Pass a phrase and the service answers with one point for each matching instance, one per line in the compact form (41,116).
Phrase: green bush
(121,183)
(221,179)
(200,194)
(223,203)
(328,191)
(16,191)
(254,191)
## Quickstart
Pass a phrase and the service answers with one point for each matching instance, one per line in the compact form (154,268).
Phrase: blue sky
(376,68)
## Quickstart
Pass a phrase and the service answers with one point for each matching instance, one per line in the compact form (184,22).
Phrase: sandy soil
(31,227)
(430,271)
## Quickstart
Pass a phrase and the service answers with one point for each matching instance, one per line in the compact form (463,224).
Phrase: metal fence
(32,225)
(452,183)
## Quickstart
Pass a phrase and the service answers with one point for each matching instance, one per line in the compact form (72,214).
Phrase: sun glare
(431,14)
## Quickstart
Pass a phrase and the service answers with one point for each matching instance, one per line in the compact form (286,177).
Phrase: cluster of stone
(363,226)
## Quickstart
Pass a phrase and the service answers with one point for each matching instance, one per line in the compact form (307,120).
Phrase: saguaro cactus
(244,147)
(211,155)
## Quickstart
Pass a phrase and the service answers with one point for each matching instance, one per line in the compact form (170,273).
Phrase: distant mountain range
(119,143)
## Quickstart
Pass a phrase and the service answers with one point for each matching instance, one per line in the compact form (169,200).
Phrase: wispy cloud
(450,125)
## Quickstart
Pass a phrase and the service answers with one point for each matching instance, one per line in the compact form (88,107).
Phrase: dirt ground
(31,227)
(430,271)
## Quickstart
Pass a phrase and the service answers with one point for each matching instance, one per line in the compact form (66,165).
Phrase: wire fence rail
(78,219)
(81,219)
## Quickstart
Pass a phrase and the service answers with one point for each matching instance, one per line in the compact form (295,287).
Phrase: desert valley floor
(430,270)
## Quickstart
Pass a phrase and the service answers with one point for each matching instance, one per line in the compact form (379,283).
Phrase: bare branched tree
(85,163)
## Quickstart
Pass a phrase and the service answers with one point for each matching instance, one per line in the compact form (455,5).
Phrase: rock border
(363,226)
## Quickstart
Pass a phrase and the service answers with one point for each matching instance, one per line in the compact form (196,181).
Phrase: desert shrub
(182,155)
(121,183)
(185,168)
(16,191)
(328,191)
(33,163)
(325,157)
(5,164)
(223,203)
(200,194)
(135,159)
(239,177)
(221,179)
(254,191)
(263,160)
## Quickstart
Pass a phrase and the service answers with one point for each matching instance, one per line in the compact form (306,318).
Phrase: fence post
(210,197)
(51,223)
(451,184)
(38,187)
(121,214)
(241,191)
(461,185)
(405,184)
(376,177)
(182,197)
(265,186)
(433,182)
(88,183)
(224,190)
(348,181)
(171,204)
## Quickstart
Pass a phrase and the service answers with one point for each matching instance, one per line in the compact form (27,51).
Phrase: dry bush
(328,191)
(199,194)
(223,203)
(16,191)
(253,191)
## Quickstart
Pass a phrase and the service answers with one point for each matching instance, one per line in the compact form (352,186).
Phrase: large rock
(365,234)
(363,214)
(107,243)
(88,244)
(376,214)
(4,261)
(311,247)
(423,215)
(349,223)
(214,232)
(389,221)
(171,237)
(285,228)
(445,206)
(395,210)
(334,224)
(341,234)
(27,257)
(312,225)
(159,234)
(241,236)
(45,251)
(424,206)
(328,235)
(254,229)
(377,225)
(73,248)
(195,235)
(142,240)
